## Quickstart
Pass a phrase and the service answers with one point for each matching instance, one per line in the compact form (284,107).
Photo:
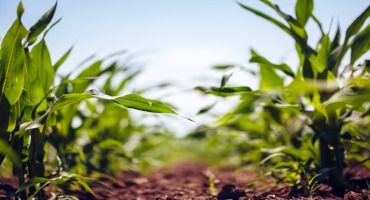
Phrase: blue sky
(178,41)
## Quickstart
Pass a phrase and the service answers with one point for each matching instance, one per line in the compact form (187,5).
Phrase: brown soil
(192,181)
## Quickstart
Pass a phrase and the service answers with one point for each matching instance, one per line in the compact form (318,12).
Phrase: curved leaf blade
(357,24)
(40,54)
(140,103)
(303,10)
(265,63)
(41,24)
(361,44)
(12,62)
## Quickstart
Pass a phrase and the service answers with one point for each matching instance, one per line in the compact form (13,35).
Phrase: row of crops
(299,126)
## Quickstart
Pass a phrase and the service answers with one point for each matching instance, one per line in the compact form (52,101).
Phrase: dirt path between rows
(188,181)
(194,181)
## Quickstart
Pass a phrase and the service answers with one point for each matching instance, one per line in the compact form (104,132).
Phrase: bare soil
(188,181)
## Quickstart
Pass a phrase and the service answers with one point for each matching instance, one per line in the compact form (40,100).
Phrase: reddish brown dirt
(188,181)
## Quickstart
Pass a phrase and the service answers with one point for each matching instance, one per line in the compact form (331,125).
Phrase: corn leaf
(262,61)
(41,56)
(226,76)
(32,85)
(40,25)
(303,10)
(93,70)
(268,18)
(5,150)
(295,26)
(133,101)
(20,10)
(69,99)
(361,44)
(12,62)
(140,103)
(357,24)
(62,60)
(270,80)
(224,91)
(70,178)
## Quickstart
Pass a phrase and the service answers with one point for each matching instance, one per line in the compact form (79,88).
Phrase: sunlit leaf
(265,63)
(69,99)
(267,17)
(133,101)
(303,10)
(62,60)
(41,24)
(12,62)
(41,56)
(270,80)
(361,44)
(295,26)
(140,103)
(358,23)
(20,10)
(32,84)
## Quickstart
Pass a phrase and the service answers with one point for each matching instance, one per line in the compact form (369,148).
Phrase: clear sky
(178,40)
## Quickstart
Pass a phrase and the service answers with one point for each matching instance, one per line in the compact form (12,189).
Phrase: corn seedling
(320,104)
(32,109)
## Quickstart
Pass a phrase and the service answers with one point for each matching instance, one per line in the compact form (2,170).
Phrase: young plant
(322,98)
(31,106)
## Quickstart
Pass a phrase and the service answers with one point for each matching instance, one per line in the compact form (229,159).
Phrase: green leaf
(32,85)
(133,101)
(295,26)
(270,80)
(361,44)
(297,87)
(357,24)
(40,25)
(336,40)
(224,91)
(318,23)
(93,70)
(5,150)
(263,62)
(62,60)
(61,180)
(361,144)
(268,18)
(69,99)
(323,50)
(296,30)
(303,10)
(317,65)
(222,67)
(41,56)
(32,182)
(314,181)
(227,75)
(140,103)
(20,10)
(12,63)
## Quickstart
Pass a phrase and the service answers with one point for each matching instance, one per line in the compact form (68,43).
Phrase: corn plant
(321,102)
(34,118)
